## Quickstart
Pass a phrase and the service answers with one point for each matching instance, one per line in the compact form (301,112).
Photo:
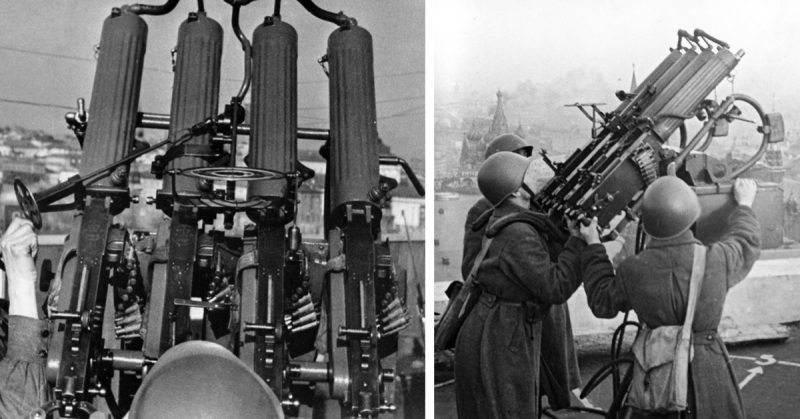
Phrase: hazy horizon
(483,47)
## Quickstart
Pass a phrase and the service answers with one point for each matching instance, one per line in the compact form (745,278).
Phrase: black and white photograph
(212,209)
(266,209)
(615,209)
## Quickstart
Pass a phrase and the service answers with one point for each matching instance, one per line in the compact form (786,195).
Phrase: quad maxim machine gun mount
(628,149)
(253,285)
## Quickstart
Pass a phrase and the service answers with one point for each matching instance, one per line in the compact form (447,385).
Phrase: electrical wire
(159,70)
(399,99)
(39,104)
(406,112)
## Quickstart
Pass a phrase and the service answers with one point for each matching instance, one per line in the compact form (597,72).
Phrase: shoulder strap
(695,284)
(487,241)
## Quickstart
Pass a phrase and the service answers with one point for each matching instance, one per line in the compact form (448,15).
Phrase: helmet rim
(669,208)
(507,142)
(501,175)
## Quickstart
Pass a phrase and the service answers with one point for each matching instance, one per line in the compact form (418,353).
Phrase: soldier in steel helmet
(497,354)
(559,361)
(199,379)
(655,284)
(473,233)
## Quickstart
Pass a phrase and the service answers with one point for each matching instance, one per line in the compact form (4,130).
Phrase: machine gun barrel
(115,94)
(195,92)
(96,245)
(263,275)
(352,225)
(195,95)
(273,141)
(620,120)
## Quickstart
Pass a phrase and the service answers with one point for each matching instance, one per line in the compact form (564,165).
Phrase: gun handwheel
(27,203)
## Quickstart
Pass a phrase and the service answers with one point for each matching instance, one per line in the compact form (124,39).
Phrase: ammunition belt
(645,160)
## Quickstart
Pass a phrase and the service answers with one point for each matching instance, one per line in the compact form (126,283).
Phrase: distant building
(473,147)
(405,209)
(459,174)
(41,161)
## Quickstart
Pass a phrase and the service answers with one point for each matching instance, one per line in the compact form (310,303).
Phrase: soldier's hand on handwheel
(19,247)
(744,191)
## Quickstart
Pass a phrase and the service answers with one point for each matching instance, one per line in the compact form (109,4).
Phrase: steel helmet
(669,207)
(501,175)
(199,379)
(508,142)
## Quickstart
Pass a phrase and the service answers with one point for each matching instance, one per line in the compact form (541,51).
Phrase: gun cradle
(77,343)
(357,320)
(275,306)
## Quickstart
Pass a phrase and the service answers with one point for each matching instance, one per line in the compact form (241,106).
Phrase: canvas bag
(662,355)
(446,331)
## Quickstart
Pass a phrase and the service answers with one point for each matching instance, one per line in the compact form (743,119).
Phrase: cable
(399,99)
(45,54)
(43,105)
(406,112)
(159,70)
(325,81)
(68,57)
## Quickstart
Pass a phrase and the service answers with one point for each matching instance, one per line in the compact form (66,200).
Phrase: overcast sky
(491,45)
(47,49)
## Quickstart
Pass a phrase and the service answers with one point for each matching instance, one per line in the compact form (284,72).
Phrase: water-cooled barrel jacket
(560,372)
(497,349)
(23,387)
(655,284)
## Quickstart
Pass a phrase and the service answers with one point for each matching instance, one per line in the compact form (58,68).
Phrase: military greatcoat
(655,284)
(498,347)
(23,387)
(559,370)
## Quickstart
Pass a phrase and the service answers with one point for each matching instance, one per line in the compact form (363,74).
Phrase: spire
(520,131)
(464,157)
(469,143)
(633,78)
(499,123)
(473,135)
